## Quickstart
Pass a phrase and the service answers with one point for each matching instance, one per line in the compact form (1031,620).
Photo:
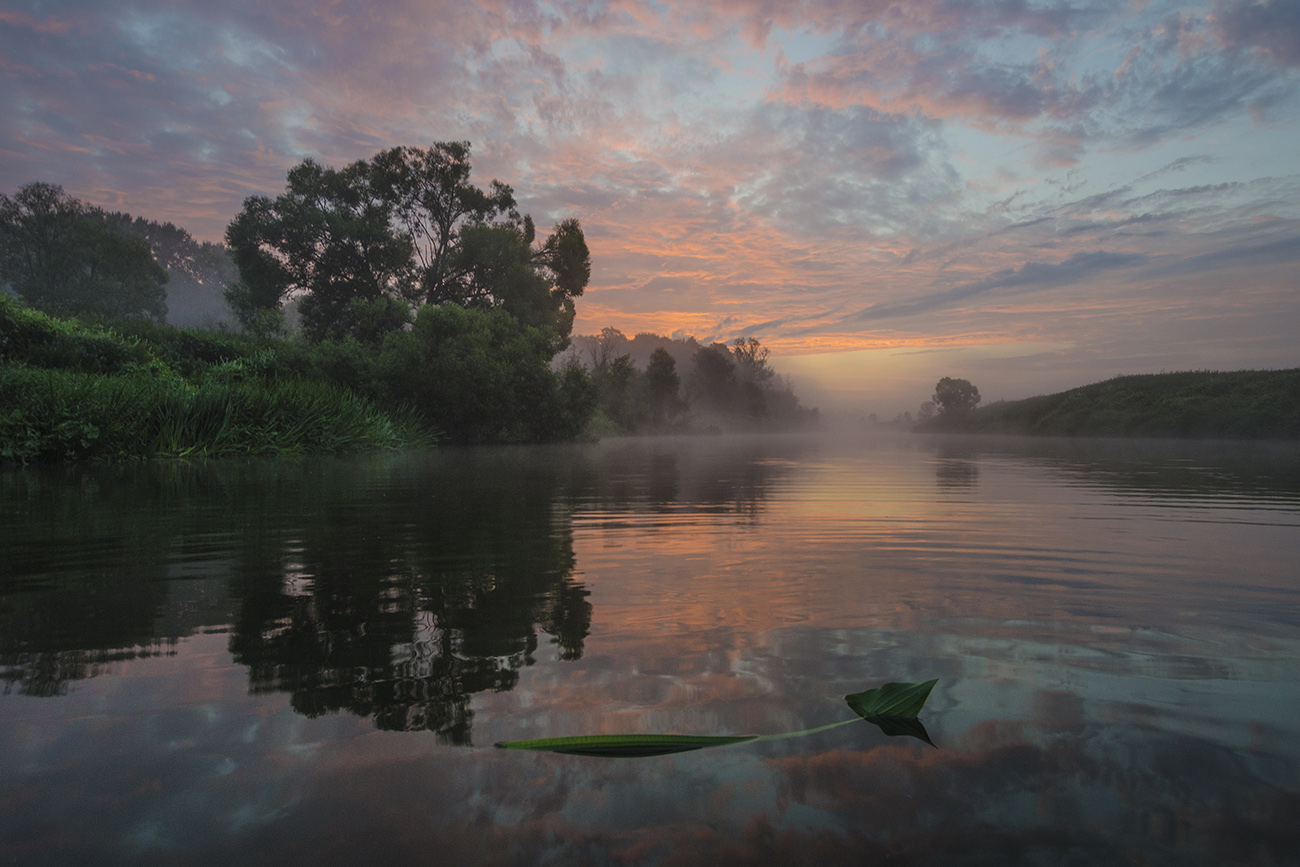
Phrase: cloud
(779,163)
(1039,77)
(1077,268)
(1274,251)
(1271,27)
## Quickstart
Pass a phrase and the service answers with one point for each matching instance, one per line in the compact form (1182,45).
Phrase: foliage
(69,390)
(1247,403)
(473,374)
(894,708)
(328,237)
(484,378)
(61,414)
(661,386)
(404,228)
(753,376)
(42,340)
(615,382)
(955,397)
(713,379)
(65,257)
(891,700)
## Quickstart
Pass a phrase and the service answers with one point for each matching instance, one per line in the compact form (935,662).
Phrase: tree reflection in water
(402,600)
(393,588)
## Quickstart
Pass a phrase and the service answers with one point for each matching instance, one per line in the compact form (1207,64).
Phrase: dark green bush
(481,377)
(34,338)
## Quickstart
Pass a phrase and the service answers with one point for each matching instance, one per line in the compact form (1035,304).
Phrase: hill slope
(1246,403)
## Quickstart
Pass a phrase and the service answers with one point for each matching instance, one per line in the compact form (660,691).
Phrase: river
(309,661)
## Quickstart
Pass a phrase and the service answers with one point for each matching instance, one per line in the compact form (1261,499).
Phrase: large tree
(407,226)
(955,397)
(65,257)
(433,199)
(327,239)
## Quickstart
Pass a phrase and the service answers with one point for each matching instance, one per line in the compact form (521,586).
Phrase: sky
(1030,195)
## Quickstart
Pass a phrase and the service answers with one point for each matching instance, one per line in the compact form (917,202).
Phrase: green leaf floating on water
(896,726)
(625,746)
(893,708)
(892,700)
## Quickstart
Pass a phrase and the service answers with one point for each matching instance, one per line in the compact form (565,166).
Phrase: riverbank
(1253,404)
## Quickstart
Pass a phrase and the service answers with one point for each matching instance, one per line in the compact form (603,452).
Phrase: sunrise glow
(1031,195)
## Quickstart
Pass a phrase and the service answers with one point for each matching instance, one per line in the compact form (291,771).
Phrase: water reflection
(394,588)
(1189,470)
(394,591)
(198,656)
(83,580)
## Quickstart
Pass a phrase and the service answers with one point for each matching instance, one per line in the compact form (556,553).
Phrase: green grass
(1248,404)
(60,414)
(71,390)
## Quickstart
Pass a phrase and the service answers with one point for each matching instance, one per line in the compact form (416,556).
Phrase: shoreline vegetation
(386,304)
(133,388)
(393,303)
(1245,404)
(74,391)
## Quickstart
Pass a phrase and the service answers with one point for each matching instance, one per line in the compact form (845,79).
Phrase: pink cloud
(722,187)
(51,25)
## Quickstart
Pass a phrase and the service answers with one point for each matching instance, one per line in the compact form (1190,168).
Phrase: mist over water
(309,661)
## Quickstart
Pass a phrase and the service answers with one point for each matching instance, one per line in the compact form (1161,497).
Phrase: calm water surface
(308,662)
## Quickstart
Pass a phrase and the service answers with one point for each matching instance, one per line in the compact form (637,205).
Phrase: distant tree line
(1246,404)
(69,258)
(65,257)
(719,386)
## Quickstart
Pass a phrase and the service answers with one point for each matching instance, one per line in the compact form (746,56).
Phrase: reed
(67,414)
(76,390)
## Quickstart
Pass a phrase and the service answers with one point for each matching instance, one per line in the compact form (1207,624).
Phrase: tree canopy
(65,257)
(955,397)
(328,238)
(360,245)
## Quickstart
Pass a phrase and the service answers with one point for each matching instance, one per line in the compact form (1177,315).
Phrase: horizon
(1032,197)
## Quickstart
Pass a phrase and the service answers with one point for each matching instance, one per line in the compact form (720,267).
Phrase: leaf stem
(812,731)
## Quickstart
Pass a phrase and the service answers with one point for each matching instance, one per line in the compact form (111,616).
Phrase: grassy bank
(70,390)
(1257,404)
